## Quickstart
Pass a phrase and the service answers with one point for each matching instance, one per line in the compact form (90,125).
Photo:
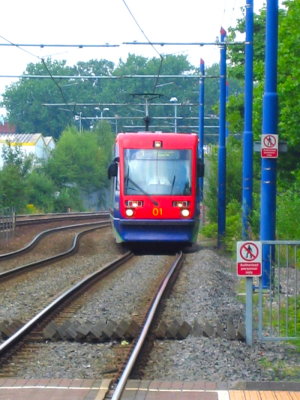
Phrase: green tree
(289,89)
(288,181)
(105,140)
(13,156)
(288,84)
(12,188)
(16,167)
(236,54)
(41,191)
(23,100)
(233,174)
(77,160)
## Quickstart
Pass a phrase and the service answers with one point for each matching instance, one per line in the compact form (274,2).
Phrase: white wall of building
(35,145)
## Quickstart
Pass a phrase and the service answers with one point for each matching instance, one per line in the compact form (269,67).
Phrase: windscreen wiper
(173,183)
(127,179)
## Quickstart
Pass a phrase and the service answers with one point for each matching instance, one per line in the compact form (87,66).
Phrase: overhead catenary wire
(216,43)
(55,82)
(150,43)
(10,43)
(56,77)
(80,46)
(44,65)
(82,77)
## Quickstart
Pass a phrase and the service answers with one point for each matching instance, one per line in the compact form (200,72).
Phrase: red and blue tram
(155,187)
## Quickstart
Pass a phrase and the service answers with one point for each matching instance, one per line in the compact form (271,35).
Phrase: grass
(280,370)
(283,323)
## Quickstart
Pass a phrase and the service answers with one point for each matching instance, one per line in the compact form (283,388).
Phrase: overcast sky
(109,21)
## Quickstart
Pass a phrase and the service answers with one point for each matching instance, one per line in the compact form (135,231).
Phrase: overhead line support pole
(222,145)
(270,122)
(248,160)
(248,133)
(201,122)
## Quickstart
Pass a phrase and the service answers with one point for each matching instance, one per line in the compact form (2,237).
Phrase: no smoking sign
(249,258)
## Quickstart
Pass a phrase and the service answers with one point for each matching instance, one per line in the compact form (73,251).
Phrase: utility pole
(248,133)
(270,121)
(201,122)
(222,145)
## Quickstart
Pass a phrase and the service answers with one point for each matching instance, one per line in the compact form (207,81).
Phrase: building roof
(21,138)
(48,139)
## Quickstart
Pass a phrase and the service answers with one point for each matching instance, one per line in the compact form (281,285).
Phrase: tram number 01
(157,212)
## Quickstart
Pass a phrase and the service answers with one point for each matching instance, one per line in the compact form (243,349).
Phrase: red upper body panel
(157,206)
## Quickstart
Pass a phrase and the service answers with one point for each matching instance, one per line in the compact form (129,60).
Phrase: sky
(90,22)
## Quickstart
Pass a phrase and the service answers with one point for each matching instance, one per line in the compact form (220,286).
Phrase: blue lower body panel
(155,230)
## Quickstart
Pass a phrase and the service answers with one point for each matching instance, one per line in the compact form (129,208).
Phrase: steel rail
(38,237)
(57,217)
(62,214)
(45,261)
(17,336)
(146,326)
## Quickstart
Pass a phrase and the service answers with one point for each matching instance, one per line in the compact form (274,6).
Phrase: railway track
(104,356)
(22,220)
(26,227)
(27,337)
(53,307)
(42,234)
(40,263)
(33,276)
(149,318)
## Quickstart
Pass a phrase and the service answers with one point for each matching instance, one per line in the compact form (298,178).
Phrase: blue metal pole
(222,145)
(248,132)
(270,118)
(227,97)
(248,159)
(201,122)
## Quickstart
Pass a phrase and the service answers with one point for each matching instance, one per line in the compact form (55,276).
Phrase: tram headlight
(157,144)
(181,203)
(134,203)
(185,212)
(129,212)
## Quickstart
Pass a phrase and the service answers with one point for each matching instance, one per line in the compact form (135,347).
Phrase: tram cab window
(157,171)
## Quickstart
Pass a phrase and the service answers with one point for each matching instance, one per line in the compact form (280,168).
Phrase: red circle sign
(269,141)
(249,251)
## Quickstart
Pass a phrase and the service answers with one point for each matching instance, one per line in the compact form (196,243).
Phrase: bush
(40,191)
(210,230)
(233,226)
(288,211)
(31,209)
(233,177)
(68,198)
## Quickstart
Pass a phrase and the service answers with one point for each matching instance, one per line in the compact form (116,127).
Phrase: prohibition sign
(249,251)
(249,259)
(270,141)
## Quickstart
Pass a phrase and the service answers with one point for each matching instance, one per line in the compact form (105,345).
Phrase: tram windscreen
(157,171)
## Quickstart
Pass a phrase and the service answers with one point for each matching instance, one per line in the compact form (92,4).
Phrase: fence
(7,223)
(277,307)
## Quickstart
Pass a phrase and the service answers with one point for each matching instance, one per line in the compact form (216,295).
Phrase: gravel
(119,298)
(69,361)
(205,292)
(24,296)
